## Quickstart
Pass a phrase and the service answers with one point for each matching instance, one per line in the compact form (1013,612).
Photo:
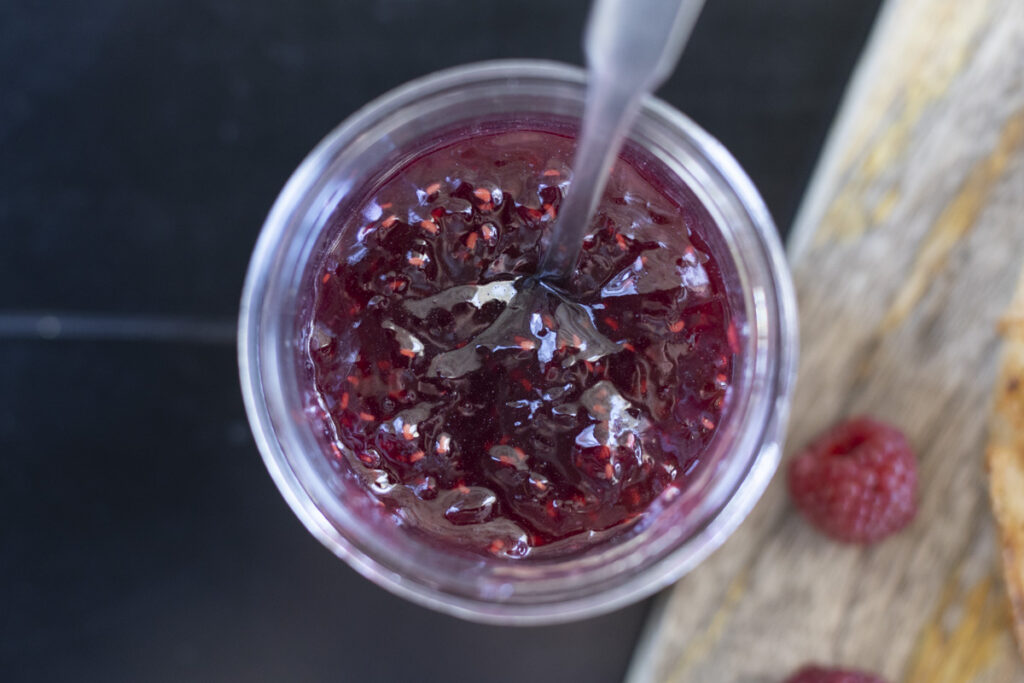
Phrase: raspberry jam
(492,410)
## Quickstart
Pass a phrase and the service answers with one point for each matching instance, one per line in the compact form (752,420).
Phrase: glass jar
(677,534)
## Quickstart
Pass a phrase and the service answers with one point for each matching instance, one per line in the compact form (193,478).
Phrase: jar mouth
(515,591)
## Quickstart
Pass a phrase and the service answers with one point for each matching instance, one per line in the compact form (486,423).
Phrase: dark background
(141,145)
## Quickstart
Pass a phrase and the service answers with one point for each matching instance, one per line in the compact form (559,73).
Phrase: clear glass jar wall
(743,455)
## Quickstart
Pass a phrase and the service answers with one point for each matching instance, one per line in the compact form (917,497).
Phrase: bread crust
(1005,457)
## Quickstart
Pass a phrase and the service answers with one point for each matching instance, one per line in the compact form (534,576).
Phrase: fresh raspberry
(858,482)
(819,674)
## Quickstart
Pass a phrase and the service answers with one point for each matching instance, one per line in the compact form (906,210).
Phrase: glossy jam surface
(498,412)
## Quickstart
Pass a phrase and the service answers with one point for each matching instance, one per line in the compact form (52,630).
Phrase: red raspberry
(818,674)
(858,482)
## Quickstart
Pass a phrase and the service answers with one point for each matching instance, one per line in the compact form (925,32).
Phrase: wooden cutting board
(905,255)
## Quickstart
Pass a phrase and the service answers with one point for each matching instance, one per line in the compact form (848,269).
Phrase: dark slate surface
(141,146)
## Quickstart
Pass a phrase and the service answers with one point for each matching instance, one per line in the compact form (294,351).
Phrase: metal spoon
(631,47)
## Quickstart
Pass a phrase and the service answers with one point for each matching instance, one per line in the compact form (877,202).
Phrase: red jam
(497,412)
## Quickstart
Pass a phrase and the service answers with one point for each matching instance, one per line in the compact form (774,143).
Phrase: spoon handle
(631,48)
(596,148)
(638,42)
